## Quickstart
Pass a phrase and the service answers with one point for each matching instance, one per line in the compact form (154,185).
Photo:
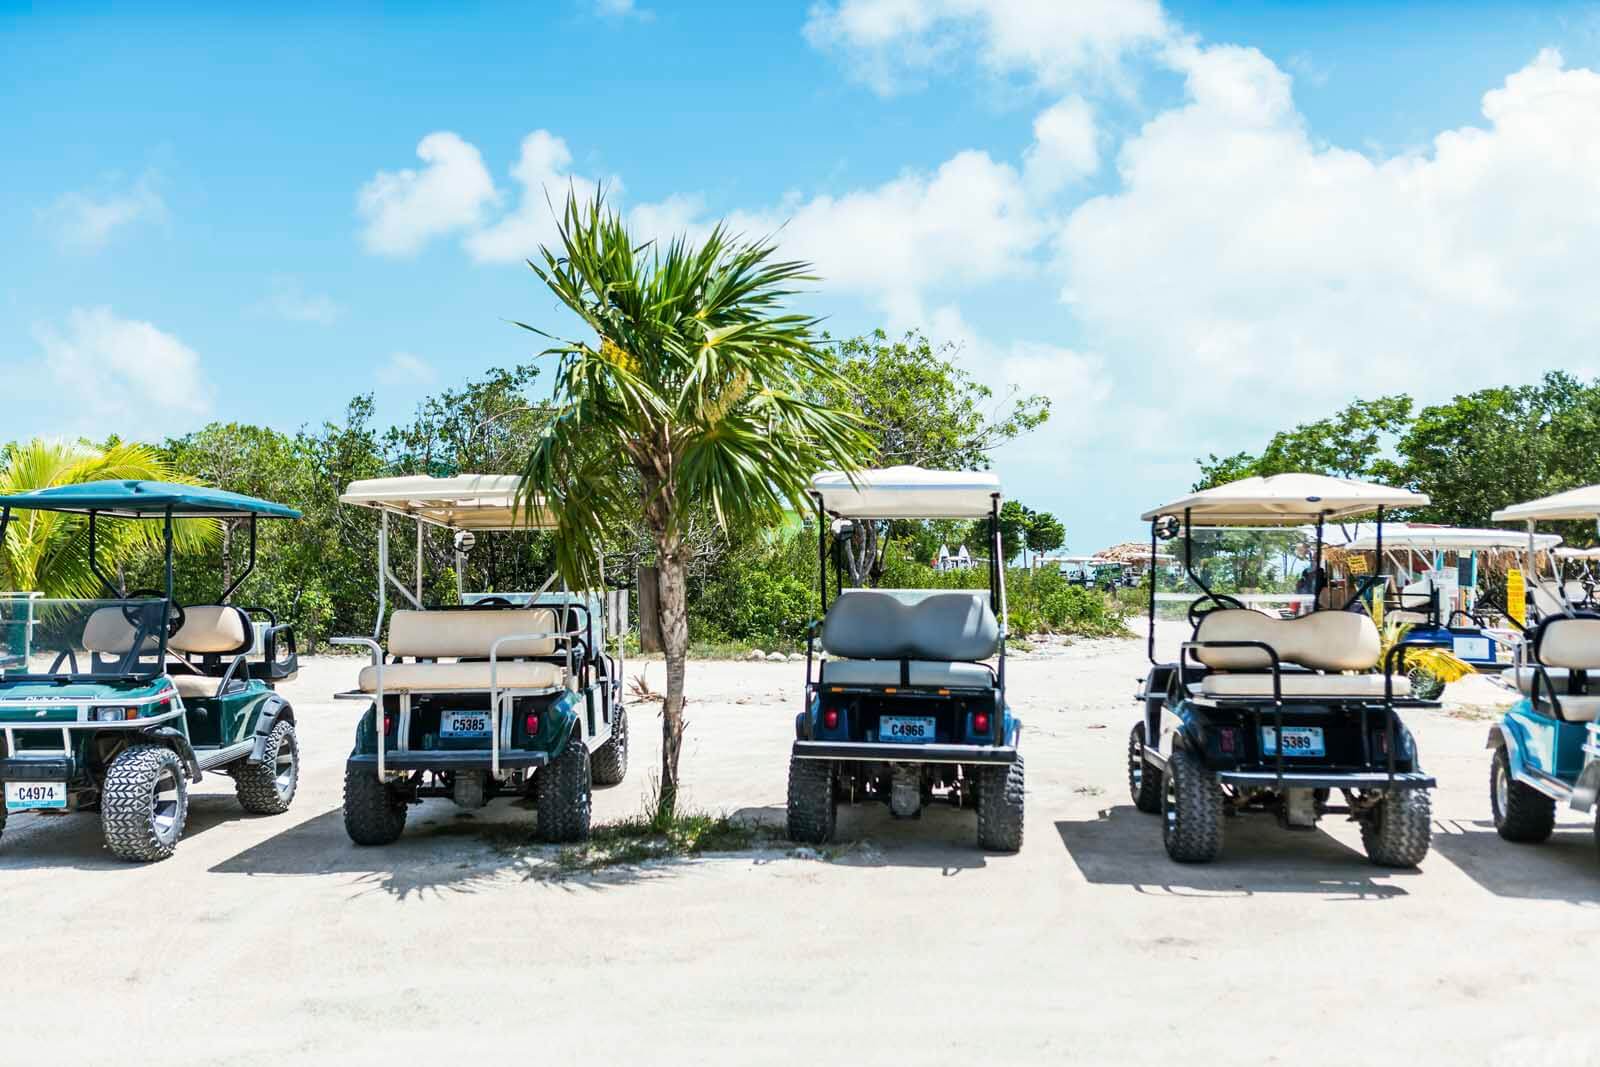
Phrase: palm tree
(48,551)
(698,393)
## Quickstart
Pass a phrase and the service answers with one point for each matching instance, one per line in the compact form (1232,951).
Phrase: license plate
(30,796)
(910,729)
(1297,741)
(464,724)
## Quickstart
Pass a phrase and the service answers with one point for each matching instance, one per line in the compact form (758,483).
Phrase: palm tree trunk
(671,581)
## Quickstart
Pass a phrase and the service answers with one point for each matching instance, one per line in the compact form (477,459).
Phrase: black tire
(1000,807)
(144,803)
(813,808)
(609,762)
(268,787)
(1191,809)
(374,813)
(1399,830)
(563,795)
(1425,685)
(1144,779)
(1521,813)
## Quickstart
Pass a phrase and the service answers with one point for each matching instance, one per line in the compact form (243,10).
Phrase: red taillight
(1226,739)
(830,719)
(980,722)
(531,723)
(388,723)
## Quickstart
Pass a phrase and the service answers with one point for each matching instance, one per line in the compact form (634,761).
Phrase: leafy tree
(1045,533)
(1349,444)
(697,388)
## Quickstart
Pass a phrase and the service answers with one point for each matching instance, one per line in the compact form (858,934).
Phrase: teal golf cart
(499,694)
(1547,747)
(120,704)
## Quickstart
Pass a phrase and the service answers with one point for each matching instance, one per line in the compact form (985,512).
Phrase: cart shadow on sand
(1562,868)
(75,840)
(1122,846)
(868,836)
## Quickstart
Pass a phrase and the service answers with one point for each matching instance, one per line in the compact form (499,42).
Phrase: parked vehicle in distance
(1546,748)
(120,704)
(901,703)
(1264,714)
(502,693)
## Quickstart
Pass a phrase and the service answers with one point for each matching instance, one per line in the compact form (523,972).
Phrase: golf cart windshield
(80,640)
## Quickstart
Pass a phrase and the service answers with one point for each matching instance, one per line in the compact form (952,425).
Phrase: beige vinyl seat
(450,652)
(1566,646)
(1324,641)
(209,631)
(1416,601)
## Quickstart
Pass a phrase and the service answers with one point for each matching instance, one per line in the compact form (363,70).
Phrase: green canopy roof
(138,499)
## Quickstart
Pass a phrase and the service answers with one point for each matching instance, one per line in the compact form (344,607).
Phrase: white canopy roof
(464,502)
(1577,553)
(907,493)
(1286,500)
(1573,504)
(1447,538)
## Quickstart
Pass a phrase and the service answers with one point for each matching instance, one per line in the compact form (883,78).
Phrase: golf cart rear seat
(211,631)
(912,638)
(1568,649)
(1307,645)
(525,637)
(1418,605)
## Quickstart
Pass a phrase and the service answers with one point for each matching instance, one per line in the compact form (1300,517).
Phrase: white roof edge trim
(1449,538)
(1286,500)
(464,502)
(1578,504)
(906,493)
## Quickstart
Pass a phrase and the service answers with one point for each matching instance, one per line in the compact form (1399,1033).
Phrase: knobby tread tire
(127,811)
(1146,786)
(1191,809)
(1399,831)
(1000,807)
(256,784)
(609,762)
(564,799)
(813,808)
(1530,816)
(374,814)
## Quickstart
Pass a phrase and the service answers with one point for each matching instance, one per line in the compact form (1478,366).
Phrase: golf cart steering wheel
(1218,602)
(492,602)
(175,614)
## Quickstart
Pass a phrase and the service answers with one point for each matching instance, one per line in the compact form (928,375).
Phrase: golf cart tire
(127,803)
(256,784)
(374,814)
(1000,807)
(1191,809)
(609,763)
(1399,829)
(1144,778)
(1529,816)
(564,799)
(813,809)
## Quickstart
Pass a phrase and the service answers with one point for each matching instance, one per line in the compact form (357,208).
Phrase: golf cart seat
(1307,646)
(1417,602)
(1568,649)
(210,632)
(522,641)
(916,638)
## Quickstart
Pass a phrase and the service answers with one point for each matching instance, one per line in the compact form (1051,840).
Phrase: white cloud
(404,209)
(118,372)
(1065,147)
(621,9)
(543,169)
(87,220)
(1053,42)
(289,300)
(1241,258)
(405,369)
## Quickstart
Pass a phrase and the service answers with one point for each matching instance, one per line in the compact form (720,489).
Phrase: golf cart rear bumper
(1327,780)
(37,769)
(894,752)
(447,761)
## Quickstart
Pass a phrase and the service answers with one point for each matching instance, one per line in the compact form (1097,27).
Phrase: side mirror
(466,541)
(1167,527)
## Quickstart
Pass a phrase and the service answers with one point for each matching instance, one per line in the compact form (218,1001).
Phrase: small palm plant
(696,393)
(1430,669)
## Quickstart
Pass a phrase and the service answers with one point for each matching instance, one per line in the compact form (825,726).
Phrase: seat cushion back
(1418,596)
(109,633)
(470,634)
(1323,640)
(1569,641)
(909,624)
(213,629)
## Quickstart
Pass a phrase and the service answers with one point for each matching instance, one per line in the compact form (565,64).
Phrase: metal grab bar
(377,663)
(494,687)
(1276,664)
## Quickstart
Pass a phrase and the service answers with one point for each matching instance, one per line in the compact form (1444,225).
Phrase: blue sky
(1188,224)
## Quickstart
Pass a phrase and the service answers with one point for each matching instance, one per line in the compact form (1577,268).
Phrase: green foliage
(1045,533)
(1349,444)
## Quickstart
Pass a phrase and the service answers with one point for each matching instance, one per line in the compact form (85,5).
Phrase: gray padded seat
(936,630)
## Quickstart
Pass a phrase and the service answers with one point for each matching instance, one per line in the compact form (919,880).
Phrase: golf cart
(119,704)
(899,699)
(499,693)
(1547,746)
(1269,714)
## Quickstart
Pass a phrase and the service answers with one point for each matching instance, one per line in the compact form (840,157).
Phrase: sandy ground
(274,939)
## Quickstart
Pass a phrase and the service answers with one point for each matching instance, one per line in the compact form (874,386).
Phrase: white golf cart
(500,693)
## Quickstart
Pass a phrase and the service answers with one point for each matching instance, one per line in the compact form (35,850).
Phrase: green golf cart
(119,704)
